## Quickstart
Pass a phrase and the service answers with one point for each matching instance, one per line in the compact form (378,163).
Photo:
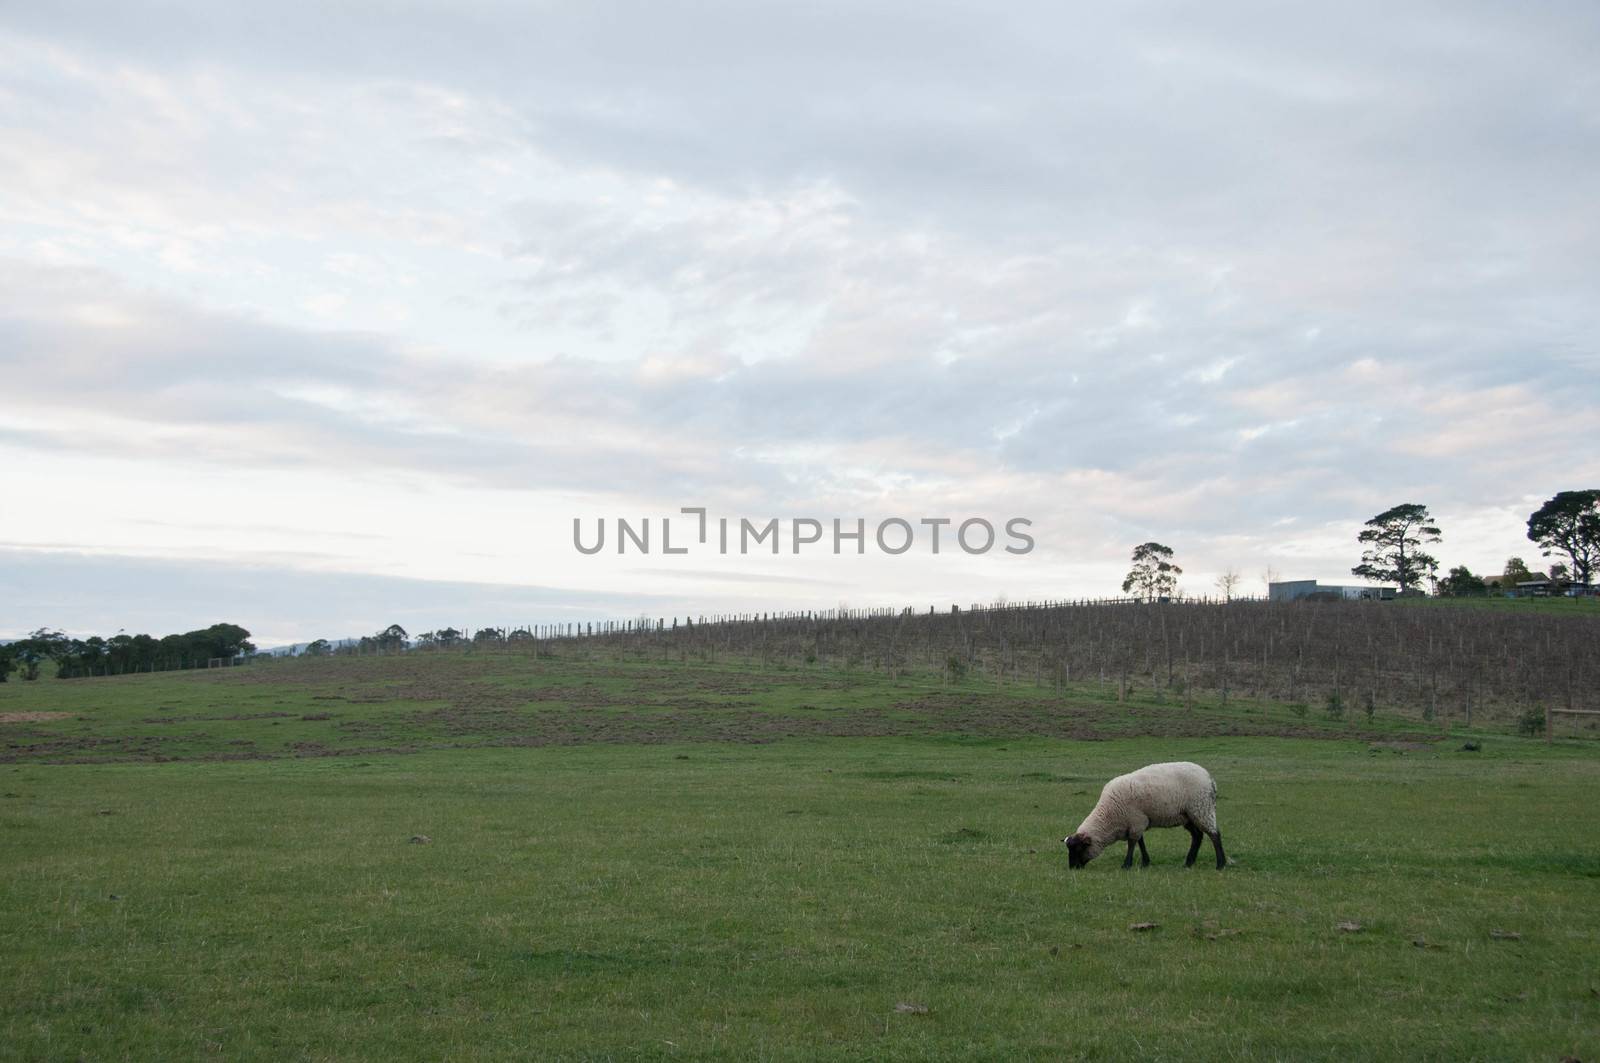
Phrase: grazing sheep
(1179,794)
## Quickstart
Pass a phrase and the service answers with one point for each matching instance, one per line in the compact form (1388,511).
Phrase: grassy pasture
(663,860)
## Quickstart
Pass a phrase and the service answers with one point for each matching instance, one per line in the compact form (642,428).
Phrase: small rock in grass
(1505,935)
(911,1009)
(1350,926)
(1424,943)
(420,839)
(1143,926)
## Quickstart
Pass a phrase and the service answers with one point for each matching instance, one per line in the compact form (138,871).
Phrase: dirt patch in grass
(34,717)
(214,719)
(111,748)
(1404,747)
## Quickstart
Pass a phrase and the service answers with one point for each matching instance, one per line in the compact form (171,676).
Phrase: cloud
(1135,273)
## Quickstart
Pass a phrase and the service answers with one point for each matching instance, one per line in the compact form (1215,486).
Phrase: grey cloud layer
(1163,415)
(1158,111)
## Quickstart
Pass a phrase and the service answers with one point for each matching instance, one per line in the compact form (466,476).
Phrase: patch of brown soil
(214,719)
(34,717)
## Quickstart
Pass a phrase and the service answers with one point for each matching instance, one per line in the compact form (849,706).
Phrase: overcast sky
(316,317)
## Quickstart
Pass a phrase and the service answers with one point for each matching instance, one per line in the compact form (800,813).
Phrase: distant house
(1290,590)
(1509,589)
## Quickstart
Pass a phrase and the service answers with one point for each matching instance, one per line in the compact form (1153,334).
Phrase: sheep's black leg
(1144,854)
(1216,843)
(1129,861)
(1195,834)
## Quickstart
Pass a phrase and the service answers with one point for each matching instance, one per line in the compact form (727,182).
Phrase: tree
(391,639)
(223,640)
(8,662)
(27,658)
(1153,575)
(1394,541)
(1269,576)
(1569,523)
(1516,572)
(1228,582)
(41,645)
(1461,583)
(317,648)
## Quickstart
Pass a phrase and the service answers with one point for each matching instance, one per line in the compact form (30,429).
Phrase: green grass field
(631,859)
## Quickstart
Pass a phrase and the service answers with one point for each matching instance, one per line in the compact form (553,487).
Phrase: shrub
(1531,722)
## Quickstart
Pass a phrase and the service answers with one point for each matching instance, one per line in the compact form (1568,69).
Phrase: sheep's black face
(1078,851)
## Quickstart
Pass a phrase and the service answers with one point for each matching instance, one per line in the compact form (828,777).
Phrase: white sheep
(1178,794)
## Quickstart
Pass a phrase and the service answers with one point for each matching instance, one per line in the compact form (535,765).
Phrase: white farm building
(1289,590)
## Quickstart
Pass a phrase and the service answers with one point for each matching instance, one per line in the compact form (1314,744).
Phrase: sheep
(1160,795)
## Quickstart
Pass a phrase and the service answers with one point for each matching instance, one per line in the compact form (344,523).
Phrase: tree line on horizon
(1392,552)
(394,638)
(122,653)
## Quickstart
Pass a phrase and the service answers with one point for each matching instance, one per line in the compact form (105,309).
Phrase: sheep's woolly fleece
(1160,795)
